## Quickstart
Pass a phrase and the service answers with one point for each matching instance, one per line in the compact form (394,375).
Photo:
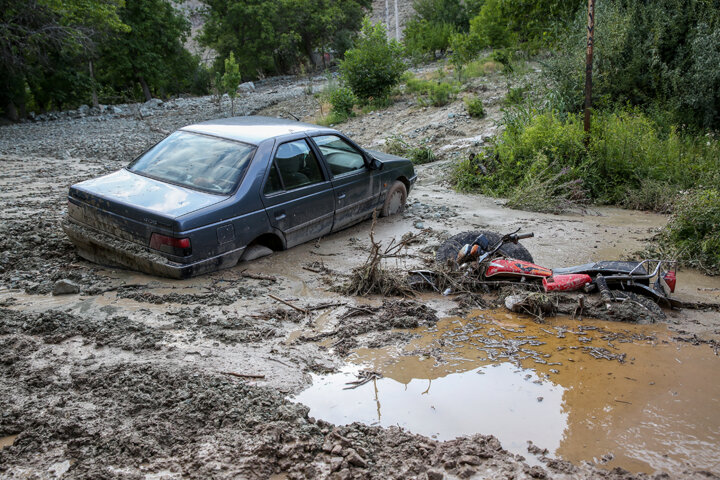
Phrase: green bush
(474,106)
(515,96)
(423,39)
(435,93)
(629,160)
(342,100)
(375,65)
(693,233)
(419,155)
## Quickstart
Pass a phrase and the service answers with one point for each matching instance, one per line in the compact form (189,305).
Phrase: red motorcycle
(490,257)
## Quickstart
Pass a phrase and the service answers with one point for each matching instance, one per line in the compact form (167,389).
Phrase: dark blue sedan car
(212,194)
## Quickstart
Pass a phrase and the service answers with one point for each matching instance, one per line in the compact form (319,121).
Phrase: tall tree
(38,36)
(150,53)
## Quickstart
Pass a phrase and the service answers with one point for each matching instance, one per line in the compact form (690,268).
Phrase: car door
(298,197)
(357,188)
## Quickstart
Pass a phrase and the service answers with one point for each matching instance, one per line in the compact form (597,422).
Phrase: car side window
(273,183)
(297,165)
(340,155)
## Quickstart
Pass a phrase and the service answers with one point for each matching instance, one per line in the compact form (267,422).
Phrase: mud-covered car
(215,193)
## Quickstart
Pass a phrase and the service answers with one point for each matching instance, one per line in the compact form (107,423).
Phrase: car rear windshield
(197,161)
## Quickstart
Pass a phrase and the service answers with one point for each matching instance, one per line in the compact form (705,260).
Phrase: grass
(419,155)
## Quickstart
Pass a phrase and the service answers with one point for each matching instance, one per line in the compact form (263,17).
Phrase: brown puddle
(583,390)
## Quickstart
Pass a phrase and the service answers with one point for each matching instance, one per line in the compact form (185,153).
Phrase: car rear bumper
(105,249)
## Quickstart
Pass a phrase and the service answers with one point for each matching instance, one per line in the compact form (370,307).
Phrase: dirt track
(140,377)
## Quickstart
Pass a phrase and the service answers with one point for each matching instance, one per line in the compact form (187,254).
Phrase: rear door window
(341,157)
(296,166)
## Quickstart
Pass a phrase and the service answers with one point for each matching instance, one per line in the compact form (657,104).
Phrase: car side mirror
(375,164)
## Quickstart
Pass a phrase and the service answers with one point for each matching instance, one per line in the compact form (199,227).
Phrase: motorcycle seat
(604,267)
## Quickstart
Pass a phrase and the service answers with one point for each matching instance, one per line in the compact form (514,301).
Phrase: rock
(433,475)
(65,287)
(153,103)
(354,459)
(116,110)
(246,87)
(419,225)
(469,460)
(146,112)
(83,109)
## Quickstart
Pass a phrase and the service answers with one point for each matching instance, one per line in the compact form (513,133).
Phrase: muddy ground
(131,376)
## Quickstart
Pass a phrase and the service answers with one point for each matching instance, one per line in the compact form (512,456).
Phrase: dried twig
(257,276)
(243,375)
(299,309)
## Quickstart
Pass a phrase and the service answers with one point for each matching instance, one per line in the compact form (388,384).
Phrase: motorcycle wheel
(448,250)
(643,308)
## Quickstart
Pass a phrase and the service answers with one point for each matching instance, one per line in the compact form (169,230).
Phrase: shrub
(474,107)
(419,155)
(342,100)
(515,96)
(375,65)
(693,233)
(432,93)
(628,161)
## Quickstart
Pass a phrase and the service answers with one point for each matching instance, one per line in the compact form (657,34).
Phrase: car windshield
(197,161)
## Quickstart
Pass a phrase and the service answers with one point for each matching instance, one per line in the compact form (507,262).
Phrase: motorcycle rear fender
(516,268)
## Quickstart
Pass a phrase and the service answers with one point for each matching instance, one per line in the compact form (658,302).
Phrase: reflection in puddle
(582,390)
(499,398)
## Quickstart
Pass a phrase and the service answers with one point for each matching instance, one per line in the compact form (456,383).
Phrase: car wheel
(255,251)
(395,199)
(448,250)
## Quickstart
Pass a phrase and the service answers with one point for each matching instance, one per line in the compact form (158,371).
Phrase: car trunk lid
(132,206)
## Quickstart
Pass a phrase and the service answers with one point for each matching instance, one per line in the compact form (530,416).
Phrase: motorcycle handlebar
(521,236)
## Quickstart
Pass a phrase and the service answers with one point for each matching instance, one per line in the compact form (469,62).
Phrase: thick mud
(123,375)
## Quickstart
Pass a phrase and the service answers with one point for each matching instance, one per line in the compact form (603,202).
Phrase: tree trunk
(589,66)
(387,18)
(94,85)
(11,111)
(145,88)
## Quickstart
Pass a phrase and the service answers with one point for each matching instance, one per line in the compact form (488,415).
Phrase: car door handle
(341,195)
(280,215)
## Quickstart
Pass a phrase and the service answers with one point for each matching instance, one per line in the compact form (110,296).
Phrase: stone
(65,287)
(434,475)
(153,103)
(354,459)
(246,87)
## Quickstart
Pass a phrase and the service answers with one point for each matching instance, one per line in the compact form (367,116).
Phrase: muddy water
(654,406)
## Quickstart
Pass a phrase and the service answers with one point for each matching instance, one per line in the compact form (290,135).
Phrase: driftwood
(299,309)
(243,375)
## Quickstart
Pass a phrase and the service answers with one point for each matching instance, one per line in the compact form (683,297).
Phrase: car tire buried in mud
(395,200)
(448,250)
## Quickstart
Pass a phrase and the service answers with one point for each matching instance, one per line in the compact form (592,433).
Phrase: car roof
(252,129)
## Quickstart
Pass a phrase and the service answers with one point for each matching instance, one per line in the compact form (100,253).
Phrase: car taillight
(671,280)
(172,245)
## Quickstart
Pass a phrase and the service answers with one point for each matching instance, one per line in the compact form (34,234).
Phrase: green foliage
(547,192)
(515,95)
(42,45)
(423,38)
(660,55)
(450,12)
(275,36)
(343,101)
(693,233)
(626,156)
(474,107)
(375,65)
(231,79)
(419,155)
(429,92)
(151,54)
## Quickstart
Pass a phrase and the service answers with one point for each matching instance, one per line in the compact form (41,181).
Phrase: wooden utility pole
(589,65)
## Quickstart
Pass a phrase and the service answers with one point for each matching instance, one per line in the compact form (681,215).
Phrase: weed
(419,155)
(693,233)
(474,107)
(432,93)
